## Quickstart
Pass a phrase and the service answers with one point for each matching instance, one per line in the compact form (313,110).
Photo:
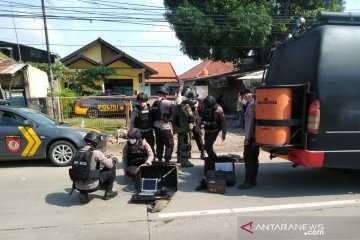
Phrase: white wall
(38,84)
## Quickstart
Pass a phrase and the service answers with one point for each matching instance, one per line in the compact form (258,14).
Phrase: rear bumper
(346,159)
(306,158)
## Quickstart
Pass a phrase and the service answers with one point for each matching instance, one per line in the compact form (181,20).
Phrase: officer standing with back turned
(161,114)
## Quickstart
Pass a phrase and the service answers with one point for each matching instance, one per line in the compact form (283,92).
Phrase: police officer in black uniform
(197,133)
(136,152)
(214,122)
(107,174)
(142,119)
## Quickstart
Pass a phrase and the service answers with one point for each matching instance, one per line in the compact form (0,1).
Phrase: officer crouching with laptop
(136,152)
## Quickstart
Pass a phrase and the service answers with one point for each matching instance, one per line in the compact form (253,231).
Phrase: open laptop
(148,186)
(224,166)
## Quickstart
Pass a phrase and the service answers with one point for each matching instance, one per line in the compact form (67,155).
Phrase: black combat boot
(202,185)
(186,164)
(109,194)
(247,185)
(84,197)
(202,155)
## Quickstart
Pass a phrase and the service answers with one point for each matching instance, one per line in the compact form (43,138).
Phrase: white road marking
(258,209)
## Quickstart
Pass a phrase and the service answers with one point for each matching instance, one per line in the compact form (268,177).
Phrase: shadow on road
(25,163)
(279,179)
(63,199)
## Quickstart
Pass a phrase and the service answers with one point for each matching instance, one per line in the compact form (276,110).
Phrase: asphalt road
(35,203)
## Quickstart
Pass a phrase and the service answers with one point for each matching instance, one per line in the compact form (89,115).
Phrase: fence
(106,113)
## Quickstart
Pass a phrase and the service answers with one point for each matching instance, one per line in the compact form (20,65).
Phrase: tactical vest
(136,154)
(80,169)
(155,110)
(156,113)
(210,119)
(183,116)
(143,119)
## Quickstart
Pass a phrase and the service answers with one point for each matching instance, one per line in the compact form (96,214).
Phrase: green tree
(58,69)
(89,80)
(228,29)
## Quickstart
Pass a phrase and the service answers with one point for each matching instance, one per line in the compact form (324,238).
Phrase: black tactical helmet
(162,90)
(188,92)
(209,102)
(142,97)
(134,134)
(92,138)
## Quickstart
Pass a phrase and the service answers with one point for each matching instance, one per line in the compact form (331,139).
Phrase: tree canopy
(89,81)
(228,29)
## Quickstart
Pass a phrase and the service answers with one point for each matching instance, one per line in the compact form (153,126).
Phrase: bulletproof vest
(156,113)
(187,109)
(80,169)
(210,119)
(143,119)
(136,154)
(183,116)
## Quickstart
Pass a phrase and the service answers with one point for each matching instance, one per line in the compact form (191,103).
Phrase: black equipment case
(228,176)
(167,185)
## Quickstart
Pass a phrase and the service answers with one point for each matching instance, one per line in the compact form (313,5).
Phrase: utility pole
(50,74)
(17,40)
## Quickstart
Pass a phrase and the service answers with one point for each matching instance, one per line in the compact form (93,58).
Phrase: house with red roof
(208,68)
(220,79)
(165,75)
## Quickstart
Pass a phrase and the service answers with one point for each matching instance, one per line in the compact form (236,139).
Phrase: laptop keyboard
(146,193)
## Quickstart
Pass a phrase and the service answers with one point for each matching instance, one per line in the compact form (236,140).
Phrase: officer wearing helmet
(196,131)
(183,122)
(214,121)
(142,119)
(136,152)
(161,113)
(107,174)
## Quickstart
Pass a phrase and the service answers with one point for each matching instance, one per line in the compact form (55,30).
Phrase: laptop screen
(224,166)
(149,184)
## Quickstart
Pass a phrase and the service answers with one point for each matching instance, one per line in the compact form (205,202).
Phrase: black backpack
(80,169)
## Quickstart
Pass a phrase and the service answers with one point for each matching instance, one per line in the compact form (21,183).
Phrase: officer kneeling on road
(136,152)
(86,174)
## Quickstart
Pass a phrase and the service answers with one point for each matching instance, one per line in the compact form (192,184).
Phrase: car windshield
(40,118)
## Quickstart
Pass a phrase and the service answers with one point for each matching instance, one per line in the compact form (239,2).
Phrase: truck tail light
(314,117)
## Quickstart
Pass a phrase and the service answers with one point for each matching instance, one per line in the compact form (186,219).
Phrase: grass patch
(108,125)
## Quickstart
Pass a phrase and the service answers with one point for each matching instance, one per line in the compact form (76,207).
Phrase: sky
(148,39)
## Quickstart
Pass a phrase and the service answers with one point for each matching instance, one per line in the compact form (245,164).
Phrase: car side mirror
(28,123)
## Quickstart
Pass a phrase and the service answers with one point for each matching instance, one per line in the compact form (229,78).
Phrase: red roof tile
(212,67)
(166,73)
